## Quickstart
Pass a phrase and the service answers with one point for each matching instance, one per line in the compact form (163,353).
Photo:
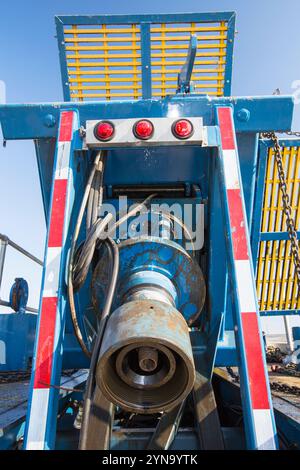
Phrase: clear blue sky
(267,56)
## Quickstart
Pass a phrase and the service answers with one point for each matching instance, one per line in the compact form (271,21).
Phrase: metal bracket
(184,84)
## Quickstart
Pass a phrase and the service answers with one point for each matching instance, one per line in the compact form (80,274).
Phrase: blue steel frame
(256,235)
(145,22)
(266,113)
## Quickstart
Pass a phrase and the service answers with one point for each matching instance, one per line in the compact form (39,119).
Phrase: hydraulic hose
(114,253)
(76,326)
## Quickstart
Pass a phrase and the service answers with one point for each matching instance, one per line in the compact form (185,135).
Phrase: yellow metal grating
(276,280)
(104,61)
(169,45)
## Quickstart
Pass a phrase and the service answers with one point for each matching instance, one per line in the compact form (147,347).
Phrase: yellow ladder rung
(102,56)
(104,48)
(186,46)
(101,64)
(101,31)
(111,87)
(188,29)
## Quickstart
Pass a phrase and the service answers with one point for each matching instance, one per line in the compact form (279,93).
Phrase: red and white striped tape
(49,302)
(262,415)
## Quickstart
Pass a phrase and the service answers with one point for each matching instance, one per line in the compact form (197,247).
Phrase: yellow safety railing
(168,44)
(276,280)
(104,61)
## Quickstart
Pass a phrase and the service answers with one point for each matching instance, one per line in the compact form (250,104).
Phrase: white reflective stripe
(63,160)
(231,169)
(52,272)
(245,286)
(264,429)
(38,419)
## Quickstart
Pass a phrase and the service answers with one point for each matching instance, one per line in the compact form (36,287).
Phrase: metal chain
(291,133)
(292,233)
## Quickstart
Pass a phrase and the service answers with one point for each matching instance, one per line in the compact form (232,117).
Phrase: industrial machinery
(166,241)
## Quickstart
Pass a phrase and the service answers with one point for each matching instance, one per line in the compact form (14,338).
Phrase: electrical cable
(84,201)
(82,264)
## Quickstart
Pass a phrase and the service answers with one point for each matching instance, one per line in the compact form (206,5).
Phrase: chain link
(291,228)
(291,133)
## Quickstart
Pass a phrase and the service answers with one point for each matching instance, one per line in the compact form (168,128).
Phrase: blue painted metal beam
(35,121)
(279,313)
(271,236)
(129,19)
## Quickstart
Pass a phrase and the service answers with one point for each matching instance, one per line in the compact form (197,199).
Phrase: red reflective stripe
(226,128)
(57,213)
(237,224)
(44,356)
(256,370)
(66,126)
(250,326)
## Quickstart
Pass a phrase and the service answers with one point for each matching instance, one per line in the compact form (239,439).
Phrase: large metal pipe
(146,362)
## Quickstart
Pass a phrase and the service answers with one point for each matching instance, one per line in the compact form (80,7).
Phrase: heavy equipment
(169,233)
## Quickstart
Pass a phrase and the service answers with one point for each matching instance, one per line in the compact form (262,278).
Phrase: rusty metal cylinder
(146,363)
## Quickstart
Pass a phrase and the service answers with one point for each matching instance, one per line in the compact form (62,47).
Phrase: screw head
(243,115)
(49,120)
